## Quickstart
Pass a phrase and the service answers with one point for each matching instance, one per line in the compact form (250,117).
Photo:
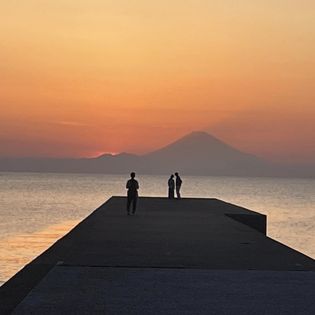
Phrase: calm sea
(37,209)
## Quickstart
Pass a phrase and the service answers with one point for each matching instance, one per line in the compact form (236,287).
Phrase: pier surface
(189,256)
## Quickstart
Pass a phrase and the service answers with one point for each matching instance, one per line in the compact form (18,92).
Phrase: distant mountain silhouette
(197,153)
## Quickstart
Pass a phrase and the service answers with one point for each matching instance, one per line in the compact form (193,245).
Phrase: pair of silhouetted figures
(133,186)
(174,184)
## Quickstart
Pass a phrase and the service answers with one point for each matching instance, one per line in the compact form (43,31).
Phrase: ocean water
(37,209)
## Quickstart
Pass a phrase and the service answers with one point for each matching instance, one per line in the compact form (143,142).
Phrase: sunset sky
(80,78)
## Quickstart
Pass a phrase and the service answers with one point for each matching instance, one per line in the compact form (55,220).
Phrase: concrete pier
(189,256)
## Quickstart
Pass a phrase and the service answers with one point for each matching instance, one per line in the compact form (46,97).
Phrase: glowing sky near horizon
(79,78)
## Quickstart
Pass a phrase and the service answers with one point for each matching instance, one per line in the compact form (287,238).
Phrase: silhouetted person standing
(178,184)
(171,187)
(132,194)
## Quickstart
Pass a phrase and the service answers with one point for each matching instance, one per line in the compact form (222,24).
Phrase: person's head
(132,174)
(172,176)
(176,174)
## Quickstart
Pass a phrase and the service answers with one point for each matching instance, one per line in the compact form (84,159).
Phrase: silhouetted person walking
(178,184)
(171,187)
(132,194)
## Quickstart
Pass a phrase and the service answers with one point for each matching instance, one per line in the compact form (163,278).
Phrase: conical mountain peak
(199,136)
(197,142)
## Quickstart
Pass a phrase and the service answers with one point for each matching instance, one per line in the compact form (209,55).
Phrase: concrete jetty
(188,256)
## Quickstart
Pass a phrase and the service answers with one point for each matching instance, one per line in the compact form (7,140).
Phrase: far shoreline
(159,175)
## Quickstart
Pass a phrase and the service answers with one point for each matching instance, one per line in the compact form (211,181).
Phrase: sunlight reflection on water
(17,251)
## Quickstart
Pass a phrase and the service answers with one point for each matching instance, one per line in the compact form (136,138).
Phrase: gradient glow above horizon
(80,78)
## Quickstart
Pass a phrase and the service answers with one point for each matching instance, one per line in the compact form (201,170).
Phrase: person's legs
(134,205)
(128,204)
(171,193)
(178,192)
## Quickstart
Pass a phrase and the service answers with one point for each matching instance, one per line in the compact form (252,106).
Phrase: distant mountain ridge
(197,153)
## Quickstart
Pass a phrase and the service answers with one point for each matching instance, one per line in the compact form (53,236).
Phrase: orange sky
(78,78)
